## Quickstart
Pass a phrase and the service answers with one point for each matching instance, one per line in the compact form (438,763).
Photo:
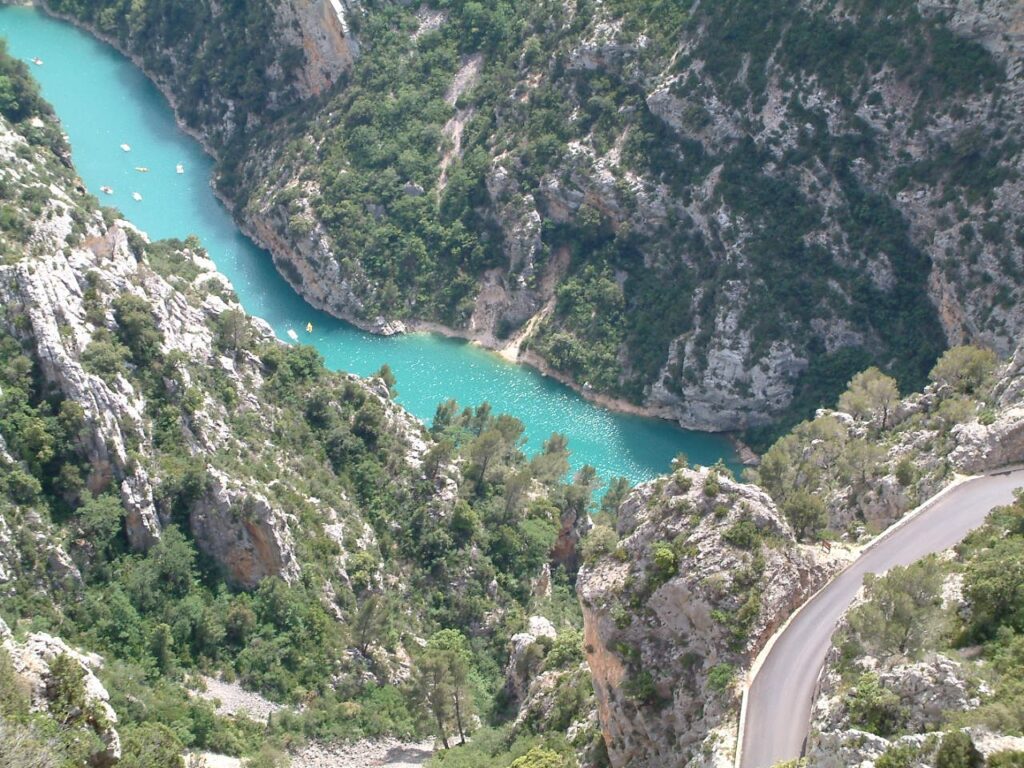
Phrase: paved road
(779,702)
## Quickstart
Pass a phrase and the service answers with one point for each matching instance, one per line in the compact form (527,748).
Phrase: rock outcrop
(889,250)
(679,608)
(31,661)
(60,301)
(240,529)
(1000,441)
(522,664)
(321,29)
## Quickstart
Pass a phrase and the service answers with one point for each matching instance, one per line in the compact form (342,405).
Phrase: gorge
(104,102)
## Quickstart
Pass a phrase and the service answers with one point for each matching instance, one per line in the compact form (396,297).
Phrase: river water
(104,101)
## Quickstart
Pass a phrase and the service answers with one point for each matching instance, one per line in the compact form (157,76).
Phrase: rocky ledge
(704,571)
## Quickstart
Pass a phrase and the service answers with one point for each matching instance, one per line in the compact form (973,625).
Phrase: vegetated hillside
(720,210)
(683,586)
(926,667)
(183,494)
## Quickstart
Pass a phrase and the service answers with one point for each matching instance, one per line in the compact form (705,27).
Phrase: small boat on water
(126,147)
(136,196)
(37,61)
(179,168)
(106,190)
(309,327)
(141,169)
(292,334)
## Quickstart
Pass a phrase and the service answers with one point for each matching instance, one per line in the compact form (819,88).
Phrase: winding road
(778,703)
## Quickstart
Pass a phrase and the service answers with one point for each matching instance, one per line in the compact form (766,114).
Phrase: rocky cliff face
(31,661)
(706,214)
(62,305)
(1000,440)
(289,51)
(916,696)
(322,29)
(705,571)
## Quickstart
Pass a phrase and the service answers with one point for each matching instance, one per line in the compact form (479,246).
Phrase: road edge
(958,480)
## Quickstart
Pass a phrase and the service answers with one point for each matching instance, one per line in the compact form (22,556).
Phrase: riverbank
(286,258)
(113,42)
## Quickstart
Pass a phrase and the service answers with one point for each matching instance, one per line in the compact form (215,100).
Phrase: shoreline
(509,350)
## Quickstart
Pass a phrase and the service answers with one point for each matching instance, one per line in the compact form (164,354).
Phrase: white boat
(126,147)
(37,61)
(106,190)
(141,169)
(309,327)
(292,334)
(136,196)
(179,168)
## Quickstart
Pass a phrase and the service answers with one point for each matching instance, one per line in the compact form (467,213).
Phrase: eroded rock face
(31,661)
(321,28)
(981,447)
(987,446)
(46,309)
(57,303)
(680,608)
(521,667)
(240,529)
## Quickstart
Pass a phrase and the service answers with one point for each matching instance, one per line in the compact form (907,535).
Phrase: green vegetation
(903,619)
(711,203)
(958,751)
(390,546)
(828,467)
(162,615)
(874,708)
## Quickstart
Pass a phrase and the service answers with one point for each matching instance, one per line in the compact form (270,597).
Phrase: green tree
(540,757)
(805,512)
(965,369)
(65,691)
(137,328)
(373,622)
(957,750)
(1008,759)
(100,520)
(618,490)
(451,650)
(552,463)
(871,395)
(161,645)
(486,452)
(437,456)
(874,708)
(994,587)
(433,693)
(899,756)
(901,615)
(385,374)
(151,745)
(233,332)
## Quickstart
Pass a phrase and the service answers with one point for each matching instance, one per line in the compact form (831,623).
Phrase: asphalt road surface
(779,701)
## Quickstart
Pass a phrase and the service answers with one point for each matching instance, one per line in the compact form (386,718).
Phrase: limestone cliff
(64,305)
(705,570)
(323,31)
(715,215)
(31,661)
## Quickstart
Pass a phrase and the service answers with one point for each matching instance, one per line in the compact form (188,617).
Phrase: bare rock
(240,529)
(31,662)
(522,666)
(657,612)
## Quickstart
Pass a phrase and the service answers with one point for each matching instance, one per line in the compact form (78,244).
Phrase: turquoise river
(104,101)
